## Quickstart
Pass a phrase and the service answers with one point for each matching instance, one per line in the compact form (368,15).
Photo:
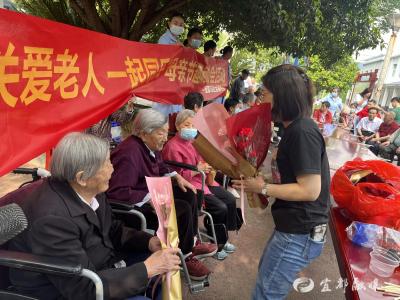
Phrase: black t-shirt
(302,151)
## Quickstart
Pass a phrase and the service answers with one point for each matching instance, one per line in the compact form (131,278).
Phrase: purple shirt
(132,162)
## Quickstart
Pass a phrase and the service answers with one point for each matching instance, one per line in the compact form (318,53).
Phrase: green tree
(257,61)
(341,74)
(331,29)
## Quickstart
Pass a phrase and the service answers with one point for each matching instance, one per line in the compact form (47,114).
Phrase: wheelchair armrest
(120,205)
(132,212)
(188,167)
(37,263)
(181,165)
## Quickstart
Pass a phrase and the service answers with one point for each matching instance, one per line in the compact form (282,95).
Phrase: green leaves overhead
(331,29)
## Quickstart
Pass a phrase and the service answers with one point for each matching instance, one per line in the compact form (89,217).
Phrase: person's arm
(368,138)
(375,137)
(360,132)
(305,165)
(235,91)
(59,237)
(172,154)
(125,238)
(328,118)
(307,188)
(384,138)
(340,106)
(179,180)
(359,127)
(315,115)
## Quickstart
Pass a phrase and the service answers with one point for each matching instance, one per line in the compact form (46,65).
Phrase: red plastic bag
(376,198)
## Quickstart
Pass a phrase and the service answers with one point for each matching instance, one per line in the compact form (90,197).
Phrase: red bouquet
(247,134)
(250,134)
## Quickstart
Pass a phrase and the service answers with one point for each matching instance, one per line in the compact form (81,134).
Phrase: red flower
(246,132)
(241,146)
(253,153)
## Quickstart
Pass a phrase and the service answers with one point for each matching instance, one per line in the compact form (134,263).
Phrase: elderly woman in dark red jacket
(138,157)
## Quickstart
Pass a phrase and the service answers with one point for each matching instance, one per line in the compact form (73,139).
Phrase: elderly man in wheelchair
(70,219)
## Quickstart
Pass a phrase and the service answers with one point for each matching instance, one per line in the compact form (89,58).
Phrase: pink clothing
(180,150)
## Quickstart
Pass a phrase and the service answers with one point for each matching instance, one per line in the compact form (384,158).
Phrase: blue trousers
(284,256)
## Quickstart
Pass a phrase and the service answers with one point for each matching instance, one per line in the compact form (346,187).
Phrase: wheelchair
(49,265)
(31,262)
(194,286)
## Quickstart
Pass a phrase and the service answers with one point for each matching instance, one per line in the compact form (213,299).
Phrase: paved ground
(233,279)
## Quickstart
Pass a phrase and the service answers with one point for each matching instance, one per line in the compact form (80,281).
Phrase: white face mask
(195,43)
(176,30)
(238,110)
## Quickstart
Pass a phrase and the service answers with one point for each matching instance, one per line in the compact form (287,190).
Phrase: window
(394,70)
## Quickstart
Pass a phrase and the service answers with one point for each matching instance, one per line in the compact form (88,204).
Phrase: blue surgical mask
(195,43)
(176,30)
(334,95)
(188,133)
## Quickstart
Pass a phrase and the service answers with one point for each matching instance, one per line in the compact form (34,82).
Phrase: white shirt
(367,125)
(94,204)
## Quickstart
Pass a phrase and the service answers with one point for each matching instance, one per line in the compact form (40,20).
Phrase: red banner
(56,78)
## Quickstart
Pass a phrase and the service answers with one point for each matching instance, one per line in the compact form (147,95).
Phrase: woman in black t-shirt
(300,211)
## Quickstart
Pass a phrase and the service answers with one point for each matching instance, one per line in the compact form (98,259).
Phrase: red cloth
(321,118)
(387,129)
(171,122)
(364,113)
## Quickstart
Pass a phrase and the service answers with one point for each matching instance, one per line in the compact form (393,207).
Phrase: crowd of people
(76,222)
(373,125)
(74,219)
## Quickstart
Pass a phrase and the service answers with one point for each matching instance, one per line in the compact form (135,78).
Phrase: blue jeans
(284,256)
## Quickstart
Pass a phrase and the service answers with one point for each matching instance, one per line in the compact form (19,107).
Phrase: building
(391,85)
(7,4)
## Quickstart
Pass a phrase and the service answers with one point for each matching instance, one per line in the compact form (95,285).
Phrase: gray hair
(183,115)
(249,97)
(392,114)
(78,152)
(148,120)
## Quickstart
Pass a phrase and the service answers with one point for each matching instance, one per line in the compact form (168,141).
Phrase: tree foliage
(331,29)
(258,62)
(341,74)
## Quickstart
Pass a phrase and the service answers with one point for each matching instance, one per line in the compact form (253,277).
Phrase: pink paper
(207,120)
(161,194)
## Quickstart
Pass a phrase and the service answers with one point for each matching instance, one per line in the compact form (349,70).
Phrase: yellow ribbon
(242,199)
(171,282)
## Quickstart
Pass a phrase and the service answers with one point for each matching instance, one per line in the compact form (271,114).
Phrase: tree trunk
(86,9)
